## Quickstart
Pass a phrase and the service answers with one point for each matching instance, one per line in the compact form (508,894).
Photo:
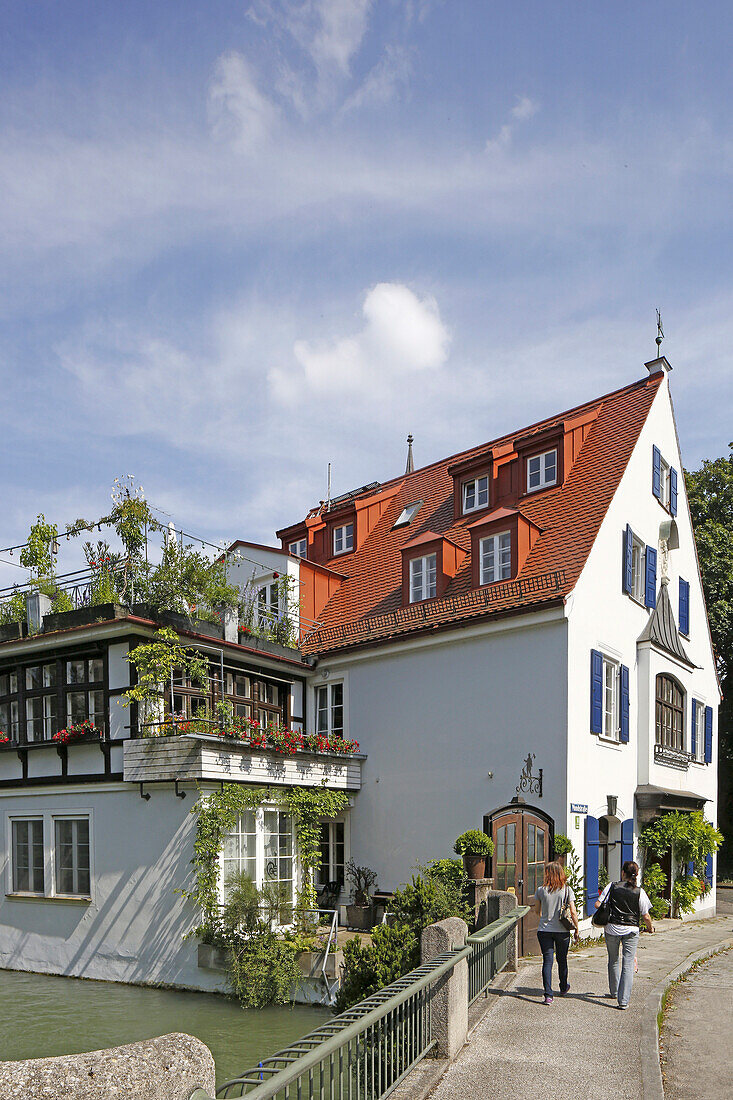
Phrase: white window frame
(544,481)
(500,568)
(478,490)
(638,569)
(423,578)
(611,707)
(269,613)
(325,708)
(23,818)
(299,548)
(55,819)
(328,874)
(49,819)
(260,854)
(343,539)
(664,482)
(699,757)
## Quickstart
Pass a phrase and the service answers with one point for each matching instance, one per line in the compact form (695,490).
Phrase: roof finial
(660,334)
(409,468)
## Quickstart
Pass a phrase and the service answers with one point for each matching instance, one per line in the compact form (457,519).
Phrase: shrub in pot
(474,846)
(360,914)
(562,847)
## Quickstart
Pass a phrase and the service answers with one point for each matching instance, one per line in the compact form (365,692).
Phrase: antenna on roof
(409,468)
(328,503)
(660,334)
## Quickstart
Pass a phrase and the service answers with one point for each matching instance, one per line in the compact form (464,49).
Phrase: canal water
(43,1015)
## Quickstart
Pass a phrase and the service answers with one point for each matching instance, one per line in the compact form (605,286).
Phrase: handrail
(292,1063)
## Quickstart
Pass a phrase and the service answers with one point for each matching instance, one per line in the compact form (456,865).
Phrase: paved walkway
(581,1046)
(697,1037)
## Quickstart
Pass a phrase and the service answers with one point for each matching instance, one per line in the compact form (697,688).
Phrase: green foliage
(603,878)
(241,912)
(449,871)
(61,602)
(430,896)
(263,969)
(688,835)
(154,663)
(474,842)
(562,845)
(685,892)
(394,950)
(13,610)
(37,555)
(576,879)
(654,882)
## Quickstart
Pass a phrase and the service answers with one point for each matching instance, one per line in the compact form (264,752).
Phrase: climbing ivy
(155,661)
(217,814)
(690,839)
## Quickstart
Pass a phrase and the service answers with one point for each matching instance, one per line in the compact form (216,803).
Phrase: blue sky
(242,240)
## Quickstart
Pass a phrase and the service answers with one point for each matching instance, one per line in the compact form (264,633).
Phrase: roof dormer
(500,543)
(541,458)
(429,562)
(472,484)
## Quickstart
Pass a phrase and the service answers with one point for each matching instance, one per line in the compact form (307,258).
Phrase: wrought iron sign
(529,783)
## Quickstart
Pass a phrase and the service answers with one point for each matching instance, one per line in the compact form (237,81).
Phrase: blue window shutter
(591,864)
(624,705)
(650,587)
(628,546)
(684,607)
(657,473)
(690,868)
(673,490)
(708,735)
(693,728)
(627,840)
(709,870)
(596,691)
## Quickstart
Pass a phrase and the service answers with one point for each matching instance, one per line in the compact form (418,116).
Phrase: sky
(243,240)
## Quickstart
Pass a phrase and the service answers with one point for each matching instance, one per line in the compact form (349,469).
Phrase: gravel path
(697,1037)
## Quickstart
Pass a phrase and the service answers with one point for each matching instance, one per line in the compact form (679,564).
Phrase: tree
(710,493)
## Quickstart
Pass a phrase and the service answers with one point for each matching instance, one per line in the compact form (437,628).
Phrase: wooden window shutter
(684,607)
(596,691)
(591,864)
(628,548)
(673,490)
(693,728)
(627,840)
(657,473)
(650,586)
(624,732)
(708,735)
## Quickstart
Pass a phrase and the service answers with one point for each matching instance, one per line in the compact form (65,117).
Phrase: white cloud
(403,334)
(382,83)
(237,108)
(522,110)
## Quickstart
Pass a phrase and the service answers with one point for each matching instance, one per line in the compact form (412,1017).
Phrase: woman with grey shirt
(629,905)
(554,937)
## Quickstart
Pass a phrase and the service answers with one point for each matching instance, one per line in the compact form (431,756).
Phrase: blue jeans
(621,977)
(551,944)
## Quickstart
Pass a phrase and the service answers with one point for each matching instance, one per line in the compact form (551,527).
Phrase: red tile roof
(368,606)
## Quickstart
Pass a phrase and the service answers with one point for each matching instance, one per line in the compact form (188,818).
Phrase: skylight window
(407,514)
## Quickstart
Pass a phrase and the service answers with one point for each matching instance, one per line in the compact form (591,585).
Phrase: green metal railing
(364,1053)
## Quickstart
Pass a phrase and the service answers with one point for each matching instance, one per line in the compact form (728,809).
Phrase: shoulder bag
(602,914)
(565,918)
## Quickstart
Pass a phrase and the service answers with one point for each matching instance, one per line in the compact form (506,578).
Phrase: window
(423,578)
(330,709)
(261,846)
(239,694)
(333,858)
(343,538)
(505,859)
(268,606)
(28,856)
(697,745)
(36,700)
(495,558)
(9,706)
(535,858)
(40,702)
(407,514)
(637,569)
(611,724)
(89,702)
(669,725)
(299,548)
(664,482)
(71,856)
(541,471)
(476,494)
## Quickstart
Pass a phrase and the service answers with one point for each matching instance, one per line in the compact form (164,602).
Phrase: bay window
(669,724)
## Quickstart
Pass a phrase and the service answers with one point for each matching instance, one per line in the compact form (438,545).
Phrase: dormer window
(343,539)
(299,549)
(423,578)
(542,470)
(495,553)
(475,493)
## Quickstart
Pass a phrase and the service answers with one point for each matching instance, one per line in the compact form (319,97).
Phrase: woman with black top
(629,904)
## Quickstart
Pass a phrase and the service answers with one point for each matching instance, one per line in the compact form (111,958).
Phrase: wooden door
(521,850)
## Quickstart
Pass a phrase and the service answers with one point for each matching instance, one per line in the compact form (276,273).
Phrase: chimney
(658,366)
(230,622)
(37,604)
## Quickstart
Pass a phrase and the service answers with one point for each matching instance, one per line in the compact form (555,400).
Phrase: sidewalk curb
(651,1069)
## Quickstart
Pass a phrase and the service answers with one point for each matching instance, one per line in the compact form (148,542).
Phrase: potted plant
(360,914)
(562,847)
(474,846)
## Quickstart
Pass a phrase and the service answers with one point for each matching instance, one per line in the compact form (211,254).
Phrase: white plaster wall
(435,719)
(602,617)
(133,929)
(258,566)
(118,666)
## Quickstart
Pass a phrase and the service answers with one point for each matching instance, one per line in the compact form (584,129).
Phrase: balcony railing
(673,758)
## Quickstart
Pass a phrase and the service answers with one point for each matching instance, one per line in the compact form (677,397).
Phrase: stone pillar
(37,604)
(498,904)
(449,1003)
(477,892)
